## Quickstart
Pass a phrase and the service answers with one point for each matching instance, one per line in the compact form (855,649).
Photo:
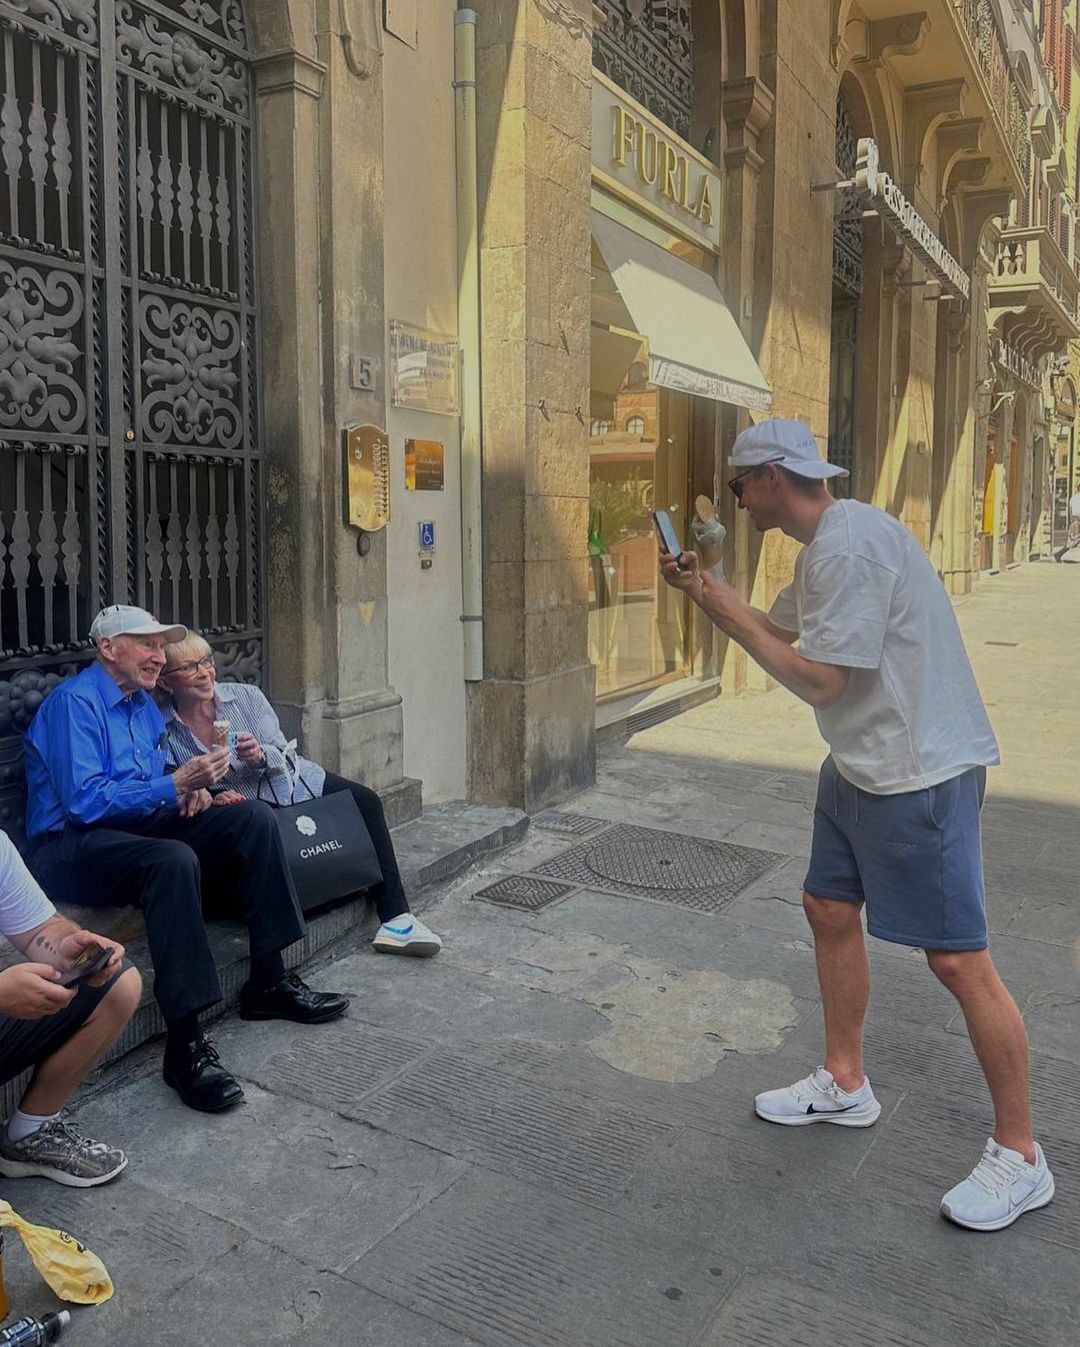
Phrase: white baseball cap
(788,444)
(122,620)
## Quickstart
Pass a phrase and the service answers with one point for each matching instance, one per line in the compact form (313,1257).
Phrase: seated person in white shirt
(265,768)
(60,1032)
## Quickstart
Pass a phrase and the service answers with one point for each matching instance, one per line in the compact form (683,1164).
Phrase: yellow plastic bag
(71,1270)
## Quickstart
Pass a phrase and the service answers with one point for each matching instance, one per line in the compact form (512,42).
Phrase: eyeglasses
(193,666)
(736,484)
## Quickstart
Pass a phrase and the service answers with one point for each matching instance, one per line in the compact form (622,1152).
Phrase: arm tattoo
(43,943)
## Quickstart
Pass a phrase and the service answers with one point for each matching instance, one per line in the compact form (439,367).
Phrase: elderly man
(58,1031)
(109,825)
(896,827)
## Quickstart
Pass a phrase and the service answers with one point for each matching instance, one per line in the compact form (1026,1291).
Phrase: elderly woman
(265,767)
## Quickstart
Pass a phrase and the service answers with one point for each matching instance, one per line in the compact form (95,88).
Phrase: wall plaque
(367,477)
(424,369)
(424,465)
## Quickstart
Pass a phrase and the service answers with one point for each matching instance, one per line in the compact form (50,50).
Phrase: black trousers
(230,855)
(389,896)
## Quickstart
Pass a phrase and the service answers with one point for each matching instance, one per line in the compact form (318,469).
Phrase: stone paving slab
(258,1296)
(506,1263)
(151,1244)
(312,1183)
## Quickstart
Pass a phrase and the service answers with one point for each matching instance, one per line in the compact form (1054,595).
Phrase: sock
(21,1125)
(266,969)
(183,1032)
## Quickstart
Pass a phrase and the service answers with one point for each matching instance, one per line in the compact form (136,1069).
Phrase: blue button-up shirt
(94,755)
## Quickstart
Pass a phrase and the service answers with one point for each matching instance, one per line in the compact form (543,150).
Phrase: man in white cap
(866,634)
(108,825)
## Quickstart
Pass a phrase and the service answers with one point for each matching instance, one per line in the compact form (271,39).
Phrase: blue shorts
(915,859)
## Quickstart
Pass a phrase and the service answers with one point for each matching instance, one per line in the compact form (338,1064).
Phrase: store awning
(695,344)
(613,352)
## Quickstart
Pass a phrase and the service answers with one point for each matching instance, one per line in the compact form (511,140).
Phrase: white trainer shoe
(406,935)
(819,1099)
(1001,1187)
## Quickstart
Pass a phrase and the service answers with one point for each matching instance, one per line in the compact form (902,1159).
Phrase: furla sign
(638,158)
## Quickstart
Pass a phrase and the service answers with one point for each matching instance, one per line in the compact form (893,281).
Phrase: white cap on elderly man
(788,444)
(122,620)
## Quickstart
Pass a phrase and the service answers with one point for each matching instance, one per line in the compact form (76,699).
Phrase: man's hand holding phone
(89,958)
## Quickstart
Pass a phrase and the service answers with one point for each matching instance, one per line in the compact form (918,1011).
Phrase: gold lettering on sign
(624,136)
(656,163)
(684,182)
(702,208)
(644,137)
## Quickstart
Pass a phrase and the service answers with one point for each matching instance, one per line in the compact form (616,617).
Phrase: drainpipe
(472,580)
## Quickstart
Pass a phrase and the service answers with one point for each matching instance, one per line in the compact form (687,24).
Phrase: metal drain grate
(576,825)
(667,867)
(523,892)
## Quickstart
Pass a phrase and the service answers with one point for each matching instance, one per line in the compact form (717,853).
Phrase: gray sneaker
(57,1151)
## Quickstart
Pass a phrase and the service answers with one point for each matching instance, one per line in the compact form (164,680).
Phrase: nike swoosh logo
(400,930)
(847,1107)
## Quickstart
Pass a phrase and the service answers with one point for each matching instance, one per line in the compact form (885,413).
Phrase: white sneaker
(1001,1187)
(819,1099)
(406,935)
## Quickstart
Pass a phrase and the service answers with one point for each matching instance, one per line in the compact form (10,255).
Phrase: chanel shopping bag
(329,849)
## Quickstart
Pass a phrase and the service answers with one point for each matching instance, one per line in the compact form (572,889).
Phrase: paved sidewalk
(545,1136)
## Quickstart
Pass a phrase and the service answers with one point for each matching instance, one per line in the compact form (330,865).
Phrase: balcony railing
(985,35)
(1032,260)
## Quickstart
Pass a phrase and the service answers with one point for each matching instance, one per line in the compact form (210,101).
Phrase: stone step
(444,841)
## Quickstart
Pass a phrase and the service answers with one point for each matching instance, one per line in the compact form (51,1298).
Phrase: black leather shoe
(195,1072)
(290,999)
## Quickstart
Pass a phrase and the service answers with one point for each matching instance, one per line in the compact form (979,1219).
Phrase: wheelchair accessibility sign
(427,535)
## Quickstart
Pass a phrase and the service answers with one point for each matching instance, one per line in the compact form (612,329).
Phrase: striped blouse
(286,778)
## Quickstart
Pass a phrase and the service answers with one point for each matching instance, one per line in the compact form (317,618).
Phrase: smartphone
(89,962)
(666,532)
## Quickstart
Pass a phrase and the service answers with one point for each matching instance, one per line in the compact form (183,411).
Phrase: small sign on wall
(424,369)
(424,465)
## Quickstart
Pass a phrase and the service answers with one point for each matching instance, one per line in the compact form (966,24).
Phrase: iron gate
(129,429)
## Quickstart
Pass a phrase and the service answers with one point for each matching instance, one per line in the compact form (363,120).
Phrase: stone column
(532,717)
(321,259)
(748,108)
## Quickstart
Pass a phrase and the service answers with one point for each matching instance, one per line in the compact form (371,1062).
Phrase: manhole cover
(667,867)
(523,892)
(576,825)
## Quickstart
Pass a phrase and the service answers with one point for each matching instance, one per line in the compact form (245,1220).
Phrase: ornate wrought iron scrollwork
(188,374)
(647,48)
(128,390)
(39,319)
(224,18)
(179,58)
(848,231)
(78,18)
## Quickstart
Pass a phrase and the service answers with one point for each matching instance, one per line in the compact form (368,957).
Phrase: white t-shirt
(22,903)
(865,597)
(1074,506)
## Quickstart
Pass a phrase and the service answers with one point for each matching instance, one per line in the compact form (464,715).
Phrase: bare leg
(844,978)
(998,1037)
(57,1077)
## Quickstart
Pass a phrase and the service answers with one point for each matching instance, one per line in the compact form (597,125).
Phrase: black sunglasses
(736,484)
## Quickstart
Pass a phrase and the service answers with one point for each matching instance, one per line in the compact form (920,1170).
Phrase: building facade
(366,336)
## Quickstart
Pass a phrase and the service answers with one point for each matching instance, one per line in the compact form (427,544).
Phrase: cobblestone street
(545,1135)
